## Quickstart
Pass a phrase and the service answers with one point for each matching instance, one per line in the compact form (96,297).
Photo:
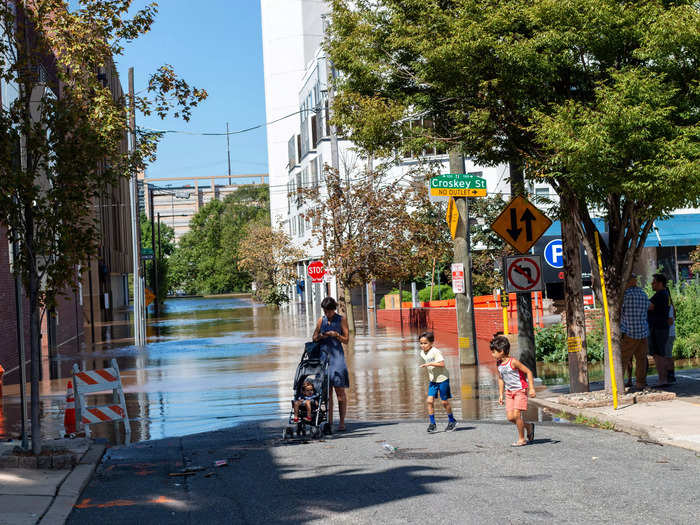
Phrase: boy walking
(439,381)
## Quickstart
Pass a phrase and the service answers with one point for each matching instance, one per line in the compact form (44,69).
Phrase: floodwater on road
(213,363)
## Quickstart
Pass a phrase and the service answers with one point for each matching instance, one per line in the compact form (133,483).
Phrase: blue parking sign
(554,254)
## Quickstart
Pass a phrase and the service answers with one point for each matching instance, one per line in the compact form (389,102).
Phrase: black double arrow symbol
(527,217)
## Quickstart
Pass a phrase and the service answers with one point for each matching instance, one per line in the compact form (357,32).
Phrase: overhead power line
(219,134)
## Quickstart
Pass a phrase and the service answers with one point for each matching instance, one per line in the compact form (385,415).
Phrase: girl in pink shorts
(517,380)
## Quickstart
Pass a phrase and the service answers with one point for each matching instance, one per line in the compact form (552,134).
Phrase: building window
(542,192)
(301,225)
(314,172)
(291,152)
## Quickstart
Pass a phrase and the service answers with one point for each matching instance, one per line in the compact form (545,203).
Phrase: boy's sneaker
(432,427)
(451,425)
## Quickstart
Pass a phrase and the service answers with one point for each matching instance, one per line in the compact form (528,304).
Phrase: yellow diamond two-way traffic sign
(520,224)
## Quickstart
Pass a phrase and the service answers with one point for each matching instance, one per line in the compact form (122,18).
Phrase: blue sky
(215,45)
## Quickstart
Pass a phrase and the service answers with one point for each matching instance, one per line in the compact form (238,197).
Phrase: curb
(647,433)
(642,431)
(69,491)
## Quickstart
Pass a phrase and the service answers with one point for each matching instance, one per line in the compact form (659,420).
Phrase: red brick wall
(443,322)
(9,357)
(66,330)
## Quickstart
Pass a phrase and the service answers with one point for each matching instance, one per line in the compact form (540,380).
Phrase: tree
(205,260)
(362,219)
(62,138)
(505,80)
(162,250)
(269,256)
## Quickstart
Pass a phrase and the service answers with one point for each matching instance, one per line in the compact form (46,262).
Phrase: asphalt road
(570,474)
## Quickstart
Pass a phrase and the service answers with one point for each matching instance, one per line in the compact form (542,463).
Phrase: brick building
(101,298)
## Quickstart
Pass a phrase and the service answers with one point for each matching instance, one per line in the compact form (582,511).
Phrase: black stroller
(313,367)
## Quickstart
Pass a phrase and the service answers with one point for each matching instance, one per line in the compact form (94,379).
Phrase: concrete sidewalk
(29,496)
(675,422)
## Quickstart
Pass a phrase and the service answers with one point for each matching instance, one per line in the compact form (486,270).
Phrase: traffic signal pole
(466,328)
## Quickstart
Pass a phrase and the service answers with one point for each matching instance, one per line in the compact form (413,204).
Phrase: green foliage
(206,260)
(275,296)
(445,292)
(686,300)
(405,296)
(550,344)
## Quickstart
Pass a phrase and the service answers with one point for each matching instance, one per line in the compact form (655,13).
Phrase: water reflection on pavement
(212,363)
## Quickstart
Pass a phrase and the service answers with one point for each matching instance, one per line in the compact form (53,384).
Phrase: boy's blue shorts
(443,388)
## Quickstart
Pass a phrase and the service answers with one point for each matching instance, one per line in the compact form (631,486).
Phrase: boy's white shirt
(436,374)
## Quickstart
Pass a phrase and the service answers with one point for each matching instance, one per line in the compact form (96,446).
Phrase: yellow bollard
(607,322)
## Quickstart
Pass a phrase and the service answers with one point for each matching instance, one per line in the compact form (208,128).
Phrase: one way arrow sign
(520,224)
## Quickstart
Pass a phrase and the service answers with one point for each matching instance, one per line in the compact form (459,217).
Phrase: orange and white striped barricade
(92,382)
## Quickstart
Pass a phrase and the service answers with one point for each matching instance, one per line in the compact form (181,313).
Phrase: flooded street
(213,363)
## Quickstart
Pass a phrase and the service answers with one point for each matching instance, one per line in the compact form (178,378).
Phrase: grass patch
(593,422)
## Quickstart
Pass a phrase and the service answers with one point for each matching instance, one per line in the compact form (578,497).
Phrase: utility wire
(219,134)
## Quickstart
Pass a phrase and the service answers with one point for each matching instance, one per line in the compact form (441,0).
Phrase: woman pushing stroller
(331,332)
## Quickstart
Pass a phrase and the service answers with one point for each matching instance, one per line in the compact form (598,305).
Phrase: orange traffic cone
(69,415)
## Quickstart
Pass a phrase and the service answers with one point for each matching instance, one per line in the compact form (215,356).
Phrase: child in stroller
(309,398)
(311,386)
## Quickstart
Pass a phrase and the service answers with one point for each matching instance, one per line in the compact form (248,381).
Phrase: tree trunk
(348,308)
(614,294)
(573,292)
(35,353)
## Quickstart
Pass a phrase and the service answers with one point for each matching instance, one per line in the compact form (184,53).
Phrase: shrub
(444,292)
(550,344)
(406,297)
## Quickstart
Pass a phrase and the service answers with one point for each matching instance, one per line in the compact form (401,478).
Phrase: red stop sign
(316,271)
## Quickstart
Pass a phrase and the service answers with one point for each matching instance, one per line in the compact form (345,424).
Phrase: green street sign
(458,185)
(147,254)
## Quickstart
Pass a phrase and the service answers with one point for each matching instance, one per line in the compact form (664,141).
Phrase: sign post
(520,224)
(461,186)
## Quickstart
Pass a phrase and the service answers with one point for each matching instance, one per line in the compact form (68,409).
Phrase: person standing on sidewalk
(635,331)
(332,332)
(658,326)
(439,381)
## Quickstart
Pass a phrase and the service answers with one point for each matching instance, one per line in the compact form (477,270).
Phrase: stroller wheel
(316,433)
(287,433)
(325,428)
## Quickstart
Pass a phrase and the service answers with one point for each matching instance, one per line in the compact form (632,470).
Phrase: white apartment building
(296,83)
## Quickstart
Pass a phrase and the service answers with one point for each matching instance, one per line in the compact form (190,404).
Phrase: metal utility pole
(135,245)
(526,330)
(156,306)
(466,327)
(228,153)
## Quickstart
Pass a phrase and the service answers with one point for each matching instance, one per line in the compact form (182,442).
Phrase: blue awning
(682,229)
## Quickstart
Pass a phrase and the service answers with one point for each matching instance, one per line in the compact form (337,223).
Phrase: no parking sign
(524,273)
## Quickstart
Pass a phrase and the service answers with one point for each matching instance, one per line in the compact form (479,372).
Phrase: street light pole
(136,256)
(228,153)
(156,306)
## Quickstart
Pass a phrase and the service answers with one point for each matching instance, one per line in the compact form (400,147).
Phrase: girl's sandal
(516,444)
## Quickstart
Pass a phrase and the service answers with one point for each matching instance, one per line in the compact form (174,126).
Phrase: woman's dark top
(337,368)
(658,317)
(658,323)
